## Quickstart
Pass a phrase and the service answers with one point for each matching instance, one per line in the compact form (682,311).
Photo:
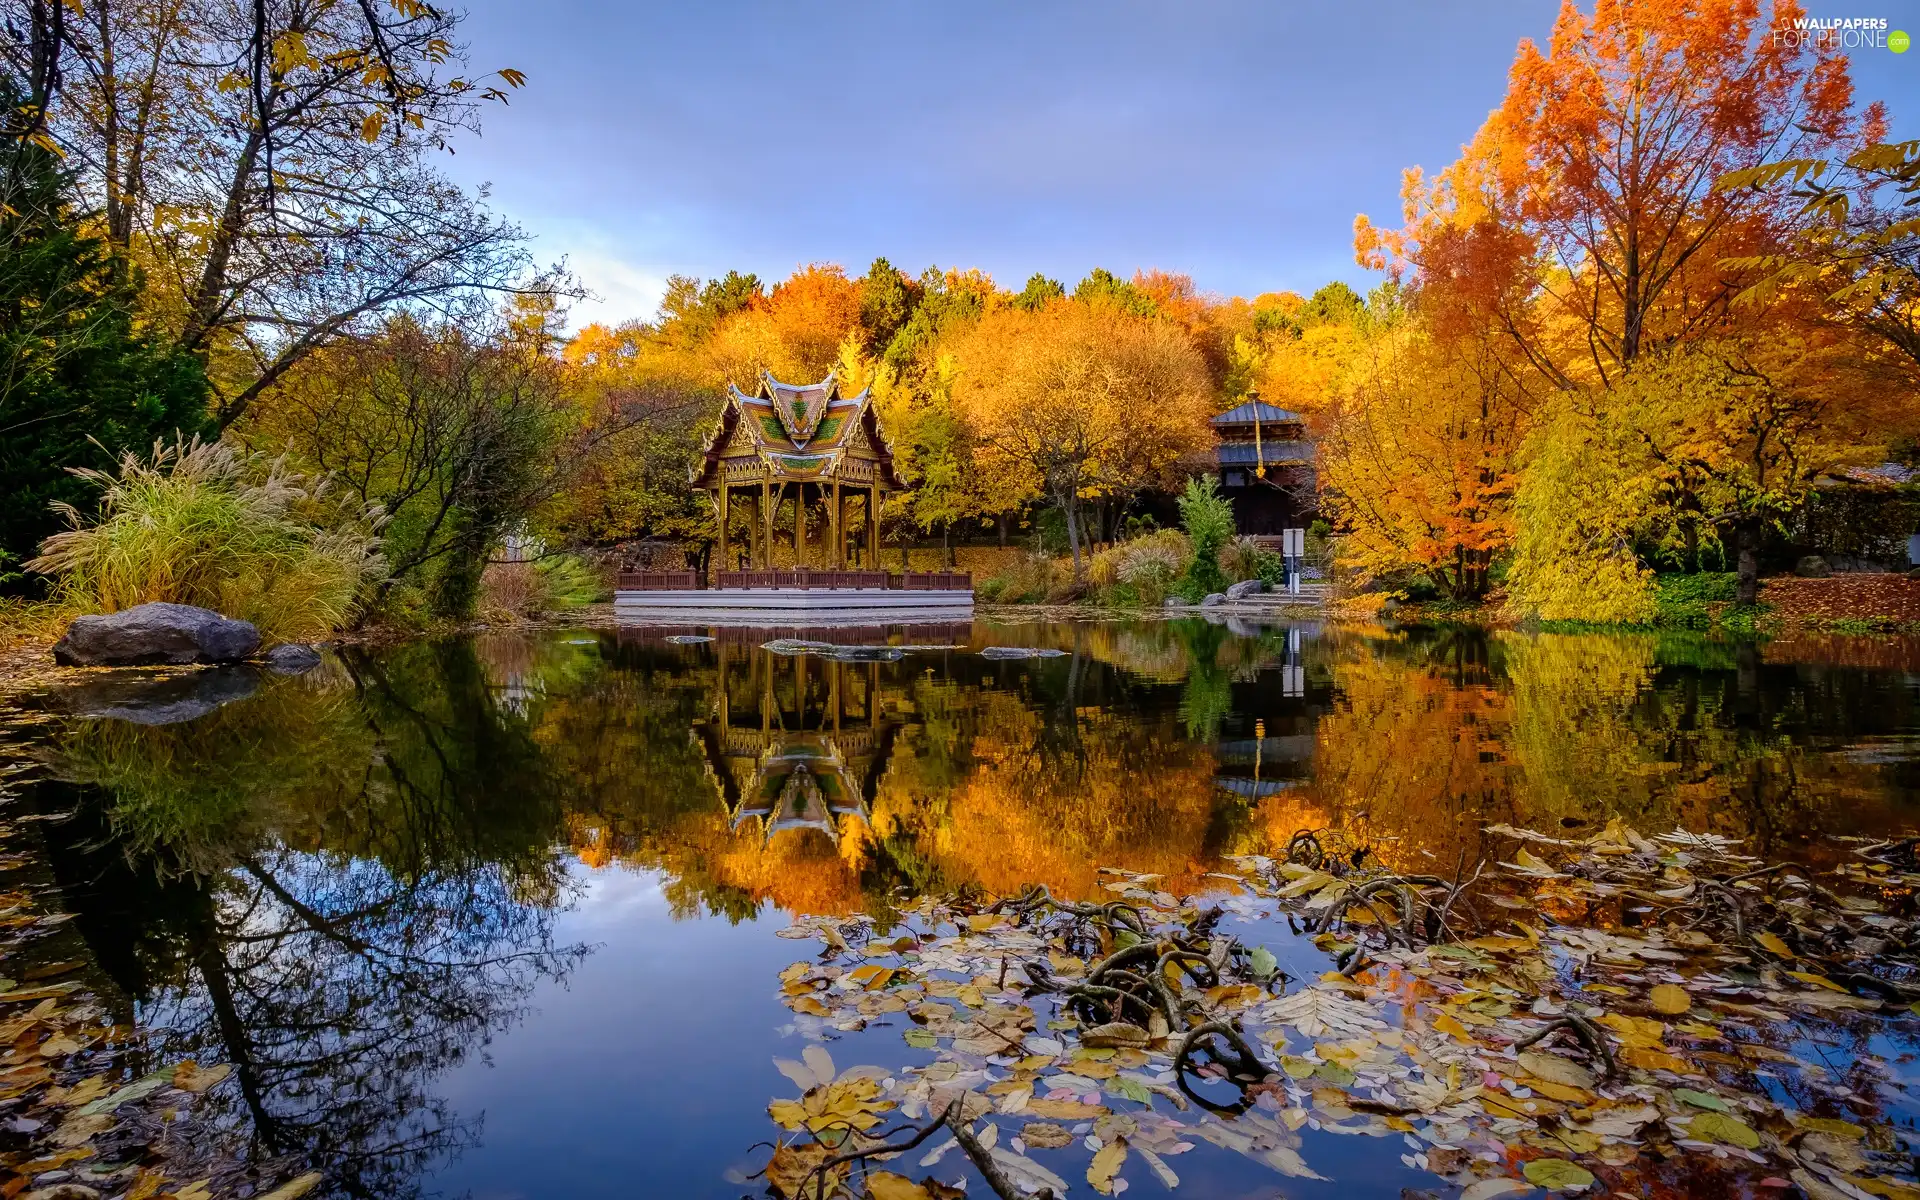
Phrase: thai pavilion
(809,447)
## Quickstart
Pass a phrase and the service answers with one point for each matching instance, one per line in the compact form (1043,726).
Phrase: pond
(498,916)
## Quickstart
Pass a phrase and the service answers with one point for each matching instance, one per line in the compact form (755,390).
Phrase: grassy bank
(1857,604)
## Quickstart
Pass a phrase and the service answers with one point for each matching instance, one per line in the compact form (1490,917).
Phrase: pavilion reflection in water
(795,742)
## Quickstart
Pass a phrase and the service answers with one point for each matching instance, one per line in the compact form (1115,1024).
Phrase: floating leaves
(1319,1012)
(1723,1127)
(1558,1175)
(1503,1071)
(1670,999)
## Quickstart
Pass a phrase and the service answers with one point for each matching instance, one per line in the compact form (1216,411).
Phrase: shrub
(1689,601)
(550,583)
(1152,564)
(1208,520)
(1245,559)
(202,524)
(1031,580)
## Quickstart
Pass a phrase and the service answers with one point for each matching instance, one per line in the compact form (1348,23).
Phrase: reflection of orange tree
(1430,740)
(1412,757)
(1046,805)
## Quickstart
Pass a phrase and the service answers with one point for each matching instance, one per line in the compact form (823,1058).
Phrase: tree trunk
(1070,509)
(1003,530)
(1692,528)
(1746,532)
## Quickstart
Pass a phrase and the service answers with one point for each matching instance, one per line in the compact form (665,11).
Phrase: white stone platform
(738,603)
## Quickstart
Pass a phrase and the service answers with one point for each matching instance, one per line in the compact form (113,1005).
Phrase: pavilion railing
(805,578)
(813,577)
(659,581)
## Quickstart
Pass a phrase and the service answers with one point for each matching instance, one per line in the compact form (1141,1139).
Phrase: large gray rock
(1812,567)
(1246,587)
(147,634)
(1214,600)
(292,658)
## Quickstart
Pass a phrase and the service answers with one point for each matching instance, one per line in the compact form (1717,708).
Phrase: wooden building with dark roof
(1265,464)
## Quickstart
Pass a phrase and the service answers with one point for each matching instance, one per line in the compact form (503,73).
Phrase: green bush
(1208,520)
(1682,601)
(202,524)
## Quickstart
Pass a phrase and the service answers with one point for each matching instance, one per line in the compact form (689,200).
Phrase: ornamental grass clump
(201,523)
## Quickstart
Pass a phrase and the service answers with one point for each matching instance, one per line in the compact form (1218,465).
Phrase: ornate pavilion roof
(789,781)
(790,432)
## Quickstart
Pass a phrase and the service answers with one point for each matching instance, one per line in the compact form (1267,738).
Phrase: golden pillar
(720,503)
(766,521)
(873,528)
(753,531)
(799,525)
(837,517)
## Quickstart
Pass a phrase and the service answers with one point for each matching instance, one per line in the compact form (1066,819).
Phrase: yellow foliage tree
(1077,400)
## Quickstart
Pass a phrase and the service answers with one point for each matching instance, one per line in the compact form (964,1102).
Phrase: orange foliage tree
(1582,233)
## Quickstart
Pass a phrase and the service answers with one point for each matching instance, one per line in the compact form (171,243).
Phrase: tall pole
(873,528)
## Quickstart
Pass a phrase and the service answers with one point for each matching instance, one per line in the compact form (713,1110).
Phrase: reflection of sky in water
(649,1071)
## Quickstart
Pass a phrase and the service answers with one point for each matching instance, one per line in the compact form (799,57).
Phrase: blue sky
(1233,141)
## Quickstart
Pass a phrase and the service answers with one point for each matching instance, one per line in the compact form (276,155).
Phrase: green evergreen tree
(1207,518)
(78,383)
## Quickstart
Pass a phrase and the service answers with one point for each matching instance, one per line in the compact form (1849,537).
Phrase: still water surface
(495,916)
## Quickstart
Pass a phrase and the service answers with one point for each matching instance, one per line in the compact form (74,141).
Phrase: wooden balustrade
(805,578)
(659,581)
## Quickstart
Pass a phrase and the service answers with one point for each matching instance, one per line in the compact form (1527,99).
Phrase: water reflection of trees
(342,887)
(1438,733)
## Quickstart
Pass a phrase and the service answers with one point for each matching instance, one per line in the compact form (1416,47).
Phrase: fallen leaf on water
(1555,1069)
(1160,1169)
(1045,1135)
(1817,980)
(1772,943)
(1557,1174)
(885,1185)
(1725,1128)
(188,1076)
(1655,1060)
(1487,1189)
(790,1165)
(1671,999)
(1846,1129)
(1701,1100)
(295,1187)
(1106,1164)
